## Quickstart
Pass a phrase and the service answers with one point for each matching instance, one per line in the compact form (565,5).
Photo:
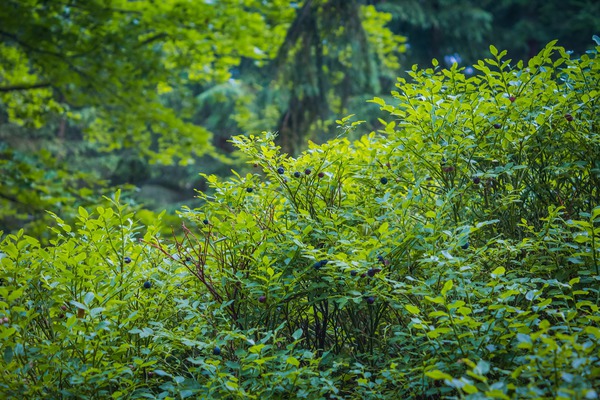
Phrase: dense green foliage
(103,88)
(453,253)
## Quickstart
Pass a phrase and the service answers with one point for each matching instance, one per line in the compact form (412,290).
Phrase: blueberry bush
(453,253)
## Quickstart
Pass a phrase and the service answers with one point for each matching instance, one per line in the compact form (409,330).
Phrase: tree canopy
(108,62)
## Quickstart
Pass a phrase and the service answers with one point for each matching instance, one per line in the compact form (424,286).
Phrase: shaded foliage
(436,257)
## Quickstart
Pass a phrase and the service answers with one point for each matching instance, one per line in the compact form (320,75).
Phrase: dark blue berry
(497,126)
(205,222)
(280,170)
(249,190)
(127,260)
(383,180)
(147,285)
(380,259)
(307,171)
(217,350)
(320,264)
(465,246)
(370,300)
(353,273)
(372,271)
(297,174)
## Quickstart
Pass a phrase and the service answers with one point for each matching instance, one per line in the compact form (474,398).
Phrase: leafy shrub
(453,253)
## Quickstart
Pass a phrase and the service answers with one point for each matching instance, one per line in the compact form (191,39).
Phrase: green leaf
(470,389)
(437,375)
(493,50)
(89,297)
(297,334)
(293,361)
(8,354)
(412,309)
(498,271)
(447,286)
(83,212)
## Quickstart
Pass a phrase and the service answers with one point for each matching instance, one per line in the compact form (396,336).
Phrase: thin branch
(13,88)
(151,39)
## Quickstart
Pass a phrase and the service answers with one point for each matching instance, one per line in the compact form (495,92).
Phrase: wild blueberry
(249,190)
(372,271)
(380,258)
(497,126)
(353,273)
(476,180)
(383,180)
(127,260)
(217,350)
(512,99)
(321,174)
(280,170)
(297,174)
(147,285)
(320,264)
(569,117)
(465,246)
(205,222)
(307,171)
(370,300)
(262,299)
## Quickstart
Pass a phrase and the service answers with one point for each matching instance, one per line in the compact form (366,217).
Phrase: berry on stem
(383,180)
(280,170)
(147,285)
(372,271)
(297,174)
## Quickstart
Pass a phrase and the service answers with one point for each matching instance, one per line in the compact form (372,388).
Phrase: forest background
(395,199)
(145,95)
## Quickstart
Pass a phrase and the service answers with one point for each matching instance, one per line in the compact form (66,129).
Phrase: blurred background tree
(113,92)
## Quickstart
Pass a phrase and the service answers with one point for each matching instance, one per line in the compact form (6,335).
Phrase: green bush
(455,253)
